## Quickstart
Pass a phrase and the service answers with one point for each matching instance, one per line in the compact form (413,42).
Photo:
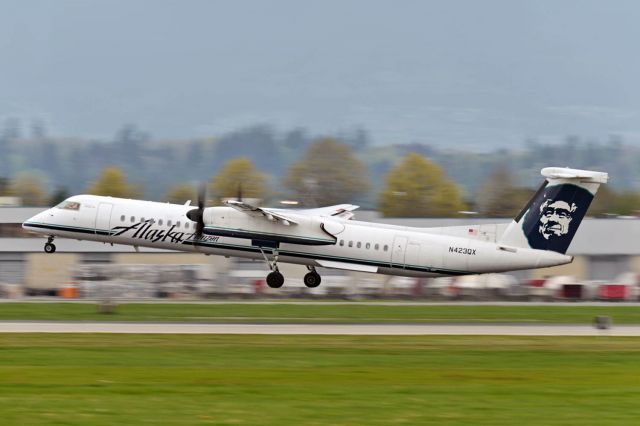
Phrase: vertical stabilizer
(551,218)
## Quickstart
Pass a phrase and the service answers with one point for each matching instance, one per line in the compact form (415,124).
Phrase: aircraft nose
(34,220)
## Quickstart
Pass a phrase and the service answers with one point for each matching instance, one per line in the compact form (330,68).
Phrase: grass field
(338,313)
(319,380)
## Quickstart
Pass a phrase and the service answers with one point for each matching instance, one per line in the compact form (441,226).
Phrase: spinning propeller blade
(197,215)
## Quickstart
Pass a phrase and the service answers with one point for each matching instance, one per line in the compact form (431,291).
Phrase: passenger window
(386,247)
(142,219)
(341,243)
(359,244)
(377,247)
(168,223)
(160,222)
(350,243)
(186,225)
(122,218)
(368,246)
(133,219)
(178,223)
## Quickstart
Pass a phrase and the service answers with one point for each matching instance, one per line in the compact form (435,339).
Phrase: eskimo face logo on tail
(554,216)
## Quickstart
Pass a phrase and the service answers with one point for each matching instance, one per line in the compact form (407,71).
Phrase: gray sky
(474,73)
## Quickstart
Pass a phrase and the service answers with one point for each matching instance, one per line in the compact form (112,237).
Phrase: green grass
(338,313)
(317,380)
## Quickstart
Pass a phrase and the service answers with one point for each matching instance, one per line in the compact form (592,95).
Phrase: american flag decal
(473,231)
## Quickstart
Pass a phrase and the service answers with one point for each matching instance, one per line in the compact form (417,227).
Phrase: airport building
(603,249)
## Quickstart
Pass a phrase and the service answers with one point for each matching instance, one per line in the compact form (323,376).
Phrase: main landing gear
(275,279)
(49,247)
(312,279)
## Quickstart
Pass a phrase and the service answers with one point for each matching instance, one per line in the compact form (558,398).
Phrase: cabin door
(412,256)
(398,251)
(103,219)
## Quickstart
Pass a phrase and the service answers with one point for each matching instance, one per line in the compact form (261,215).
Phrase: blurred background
(424,113)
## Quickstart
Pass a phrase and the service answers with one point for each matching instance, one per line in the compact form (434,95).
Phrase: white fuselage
(351,245)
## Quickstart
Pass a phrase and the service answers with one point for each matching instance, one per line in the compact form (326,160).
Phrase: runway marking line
(315,329)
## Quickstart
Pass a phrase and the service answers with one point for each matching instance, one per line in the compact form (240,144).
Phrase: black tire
(49,248)
(275,280)
(312,279)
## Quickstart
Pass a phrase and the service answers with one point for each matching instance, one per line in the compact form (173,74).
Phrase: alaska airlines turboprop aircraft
(328,237)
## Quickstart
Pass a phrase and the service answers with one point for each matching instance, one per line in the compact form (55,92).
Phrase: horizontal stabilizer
(581,175)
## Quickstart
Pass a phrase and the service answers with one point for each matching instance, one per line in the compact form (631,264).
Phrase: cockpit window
(69,205)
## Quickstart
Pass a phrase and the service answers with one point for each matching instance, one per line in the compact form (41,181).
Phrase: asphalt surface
(317,302)
(316,329)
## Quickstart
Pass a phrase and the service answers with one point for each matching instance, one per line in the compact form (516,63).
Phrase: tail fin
(550,219)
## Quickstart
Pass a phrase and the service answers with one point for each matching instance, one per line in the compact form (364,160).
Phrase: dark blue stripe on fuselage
(68,229)
(281,252)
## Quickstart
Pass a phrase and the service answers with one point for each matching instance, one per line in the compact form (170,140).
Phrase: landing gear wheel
(275,279)
(49,248)
(312,279)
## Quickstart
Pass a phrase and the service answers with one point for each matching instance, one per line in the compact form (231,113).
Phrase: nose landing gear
(49,247)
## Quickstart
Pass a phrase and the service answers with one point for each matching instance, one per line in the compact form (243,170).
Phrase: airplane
(329,237)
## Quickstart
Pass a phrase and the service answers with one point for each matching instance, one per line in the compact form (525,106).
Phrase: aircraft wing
(269,214)
(340,210)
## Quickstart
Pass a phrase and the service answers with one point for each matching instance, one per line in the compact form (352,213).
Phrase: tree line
(328,172)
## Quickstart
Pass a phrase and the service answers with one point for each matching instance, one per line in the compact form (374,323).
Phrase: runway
(311,302)
(315,329)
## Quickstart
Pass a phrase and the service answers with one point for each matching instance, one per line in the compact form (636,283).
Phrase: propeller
(197,215)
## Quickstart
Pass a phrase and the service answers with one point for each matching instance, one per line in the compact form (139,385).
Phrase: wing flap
(343,211)
(268,214)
